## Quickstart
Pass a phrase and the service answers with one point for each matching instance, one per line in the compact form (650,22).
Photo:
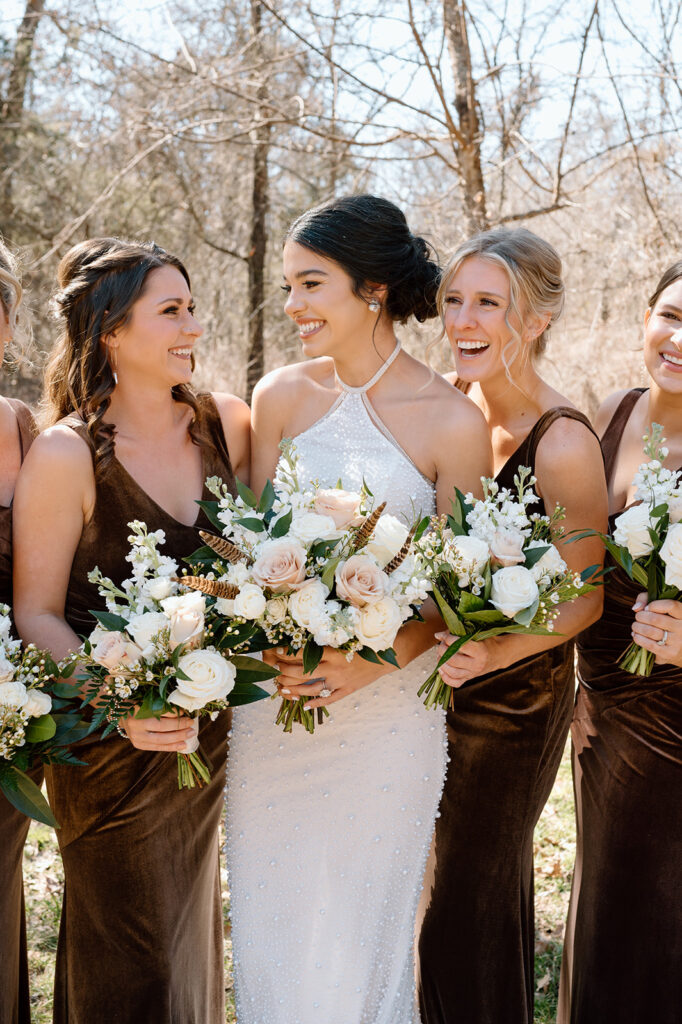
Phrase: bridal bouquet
(34,725)
(647,539)
(151,653)
(495,570)
(307,569)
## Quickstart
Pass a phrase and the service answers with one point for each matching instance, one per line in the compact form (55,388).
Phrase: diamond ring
(325,692)
(664,639)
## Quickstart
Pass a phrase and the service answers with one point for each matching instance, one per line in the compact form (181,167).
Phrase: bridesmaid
(512,696)
(623,951)
(17,429)
(141,929)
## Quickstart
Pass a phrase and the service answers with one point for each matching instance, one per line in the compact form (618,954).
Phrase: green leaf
(485,615)
(246,494)
(152,706)
(66,691)
(281,526)
(329,571)
(110,621)
(211,509)
(202,556)
(23,794)
(367,654)
(312,656)
(638,574)
(526,615)
(390,656)
(659,511)
(453,623)
(40,729)
(457,528)
(422,527)
(469,603)
(255,525)
(267,497)
(249,694)
(533,555)
(252,670)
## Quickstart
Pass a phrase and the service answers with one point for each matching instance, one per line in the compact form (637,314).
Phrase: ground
(554,852)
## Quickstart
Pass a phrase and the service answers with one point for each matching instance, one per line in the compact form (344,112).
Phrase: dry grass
(554,850)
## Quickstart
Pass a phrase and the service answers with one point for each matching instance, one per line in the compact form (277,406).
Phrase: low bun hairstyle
(369,238)
(534,269)
(99,282)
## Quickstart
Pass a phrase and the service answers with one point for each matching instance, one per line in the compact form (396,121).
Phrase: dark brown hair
(670,275)
(99,281)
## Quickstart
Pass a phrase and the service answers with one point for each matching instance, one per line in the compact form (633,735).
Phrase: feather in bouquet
(152,652)
(647,539)
(35,724)
(307,568)
(495,570)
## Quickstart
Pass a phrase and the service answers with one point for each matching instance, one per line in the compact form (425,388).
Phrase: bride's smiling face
(321,302)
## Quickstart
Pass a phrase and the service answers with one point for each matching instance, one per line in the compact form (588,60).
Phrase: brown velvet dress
(15,1007)
(623,949)
(506,736)
(141,936)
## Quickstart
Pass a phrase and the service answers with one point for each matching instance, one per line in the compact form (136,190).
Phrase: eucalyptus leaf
(526,615)
(40,729)
(23,794)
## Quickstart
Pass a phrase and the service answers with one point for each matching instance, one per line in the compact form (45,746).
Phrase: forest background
(208,125)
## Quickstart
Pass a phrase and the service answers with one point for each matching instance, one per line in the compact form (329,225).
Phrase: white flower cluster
(303,577)
(157,621)
(21,695)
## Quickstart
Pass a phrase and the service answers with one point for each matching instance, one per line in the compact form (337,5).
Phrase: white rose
(143,628)
(312,526)
(307,603)
(671,556)
(6,669)
(378,624)
(473,553)
(5,626)
(276,610)
(250,602)
(513,590)
(186,614)
(158,588)
(675,508)
(225,606)
(38,703)
(506,546)
(114,650)
(13,694)
(632,531)
(550,564)
(387,538)
(211,678)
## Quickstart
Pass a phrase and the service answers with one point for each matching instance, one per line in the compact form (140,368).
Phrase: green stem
(637,660)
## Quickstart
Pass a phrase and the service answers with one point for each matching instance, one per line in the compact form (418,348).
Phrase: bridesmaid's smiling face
(321,302)
(159,338)
(663,339)
(476,302)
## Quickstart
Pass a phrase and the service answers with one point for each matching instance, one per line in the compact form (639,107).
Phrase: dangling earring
(113,362)
(374,306)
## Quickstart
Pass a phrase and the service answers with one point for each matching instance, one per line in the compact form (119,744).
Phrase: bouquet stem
(437,692)
(637,660)
(293,711)
(192,771)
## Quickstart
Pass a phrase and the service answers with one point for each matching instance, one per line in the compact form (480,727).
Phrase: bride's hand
(333,673)
(471,660)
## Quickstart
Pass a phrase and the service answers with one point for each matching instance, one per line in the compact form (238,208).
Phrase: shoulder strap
(212,427)
(546,421)
(28,429)
(614,431)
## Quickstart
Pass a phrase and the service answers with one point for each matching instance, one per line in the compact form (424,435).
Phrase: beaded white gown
(328,834)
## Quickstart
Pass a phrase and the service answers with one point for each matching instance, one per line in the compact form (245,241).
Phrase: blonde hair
(536,288)
(10,297)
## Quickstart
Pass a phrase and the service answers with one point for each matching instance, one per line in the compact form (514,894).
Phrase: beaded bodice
(350,443)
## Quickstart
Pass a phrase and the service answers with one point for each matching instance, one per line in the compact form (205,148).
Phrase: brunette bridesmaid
(623,950)
(17,430)
(512,695)
(141,929)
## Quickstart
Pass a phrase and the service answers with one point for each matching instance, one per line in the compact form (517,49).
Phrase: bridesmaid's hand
(168,733)
(652,622)
(472,660)
(333,673)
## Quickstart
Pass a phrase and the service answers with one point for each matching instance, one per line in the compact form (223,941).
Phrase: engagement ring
(325,692)
(664,639)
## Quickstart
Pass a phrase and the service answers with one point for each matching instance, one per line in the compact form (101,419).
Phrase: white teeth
(312,325)
(472,344)
(181,351)
(670,358)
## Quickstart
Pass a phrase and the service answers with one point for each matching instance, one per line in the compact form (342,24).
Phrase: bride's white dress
(328,834)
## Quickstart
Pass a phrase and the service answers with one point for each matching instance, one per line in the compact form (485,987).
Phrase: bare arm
(267,419)
(570,472)
(236,420)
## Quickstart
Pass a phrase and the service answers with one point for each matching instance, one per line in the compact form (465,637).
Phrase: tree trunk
(259,207)
(468,151)
(12,108)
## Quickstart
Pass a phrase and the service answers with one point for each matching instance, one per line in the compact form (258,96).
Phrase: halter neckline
(373,380)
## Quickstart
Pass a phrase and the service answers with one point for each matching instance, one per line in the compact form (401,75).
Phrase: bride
(328,834)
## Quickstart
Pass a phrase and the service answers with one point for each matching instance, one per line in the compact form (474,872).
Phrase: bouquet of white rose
(308,568)
(151,653)
(495,570)
(647,539)
(35,725)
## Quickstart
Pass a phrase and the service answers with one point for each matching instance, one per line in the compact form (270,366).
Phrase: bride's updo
(369,238)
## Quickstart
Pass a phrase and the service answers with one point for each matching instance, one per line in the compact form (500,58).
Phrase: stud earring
(374,306)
